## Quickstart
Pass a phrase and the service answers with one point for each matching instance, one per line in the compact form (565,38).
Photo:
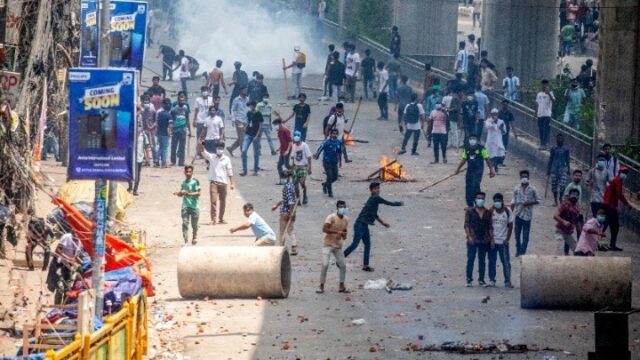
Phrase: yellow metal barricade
(123,336)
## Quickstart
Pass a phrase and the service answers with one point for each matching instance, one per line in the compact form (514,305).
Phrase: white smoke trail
(247,32)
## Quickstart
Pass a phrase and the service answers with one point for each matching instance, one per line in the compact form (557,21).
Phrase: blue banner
(126,38)
(102,131)
(89,45)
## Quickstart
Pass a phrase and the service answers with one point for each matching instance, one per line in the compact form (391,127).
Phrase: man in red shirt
(613,195)
(567,217)
(284,135)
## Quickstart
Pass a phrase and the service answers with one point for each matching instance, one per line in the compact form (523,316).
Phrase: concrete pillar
(523,34)
(575,282)
(234,272)
(428,29)
(618,78)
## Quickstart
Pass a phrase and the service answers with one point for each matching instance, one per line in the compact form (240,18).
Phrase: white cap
(495,111)
(296,48)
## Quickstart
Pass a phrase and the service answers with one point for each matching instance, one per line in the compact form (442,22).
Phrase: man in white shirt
(301,164)
(338,121)
(185,74)
(413,122)
(298,63)
(544,99)
(213,130)
(203,103)
(383,87)
(220,176)
(352,67)
(462,59)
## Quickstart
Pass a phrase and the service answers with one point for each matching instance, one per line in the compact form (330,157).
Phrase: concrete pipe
(575,283)
(234,272)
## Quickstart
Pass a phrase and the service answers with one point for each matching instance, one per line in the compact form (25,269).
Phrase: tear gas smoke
(247,32)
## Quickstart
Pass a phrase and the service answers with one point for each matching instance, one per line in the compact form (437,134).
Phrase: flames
(348,139)
(391,170)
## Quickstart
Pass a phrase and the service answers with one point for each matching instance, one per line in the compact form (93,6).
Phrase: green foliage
(371,18)
(631,148)
(332,10)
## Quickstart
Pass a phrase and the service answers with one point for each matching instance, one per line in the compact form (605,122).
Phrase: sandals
(344,291)
(367,268)
(294,251)
(320,291)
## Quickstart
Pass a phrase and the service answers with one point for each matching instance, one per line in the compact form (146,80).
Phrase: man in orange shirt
(613,195)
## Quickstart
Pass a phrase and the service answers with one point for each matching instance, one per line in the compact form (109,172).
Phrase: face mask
(265,101)
(277,127)
(601,164)
(205,94)
(524,181)
(473,142)
(219,152)
(498,205)
(147,106)
(623,176)
(342,211)
(573,199)
(296,138)
(601,219)
(480,203)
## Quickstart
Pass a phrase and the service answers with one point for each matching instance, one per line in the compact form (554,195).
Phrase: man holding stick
(475,155)
(288,206)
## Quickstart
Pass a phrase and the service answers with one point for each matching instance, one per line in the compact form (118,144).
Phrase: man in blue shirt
(332,148)
(265,236)
(180,130)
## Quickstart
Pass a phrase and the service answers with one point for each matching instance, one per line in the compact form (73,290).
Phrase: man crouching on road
(265,236)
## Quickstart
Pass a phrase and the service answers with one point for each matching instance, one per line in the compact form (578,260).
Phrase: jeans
(183,83)
(217,193)
(481,250)
(248,140)
(393,85)
(383,105)
(136,182)
(367,84)
(327,251)
(163,143)
(416,138)
(50,146)
(283,163)
(544,129)
(166,71)
(331,169)
(472,186)
(327,88)
(566,47)
(336,92)
(153,143)
(360,232)
(501,251)
(297,84)
(351,87)
(505,139)
(440,140)
(190,215)
(266,131)
(178,144)
(523,227)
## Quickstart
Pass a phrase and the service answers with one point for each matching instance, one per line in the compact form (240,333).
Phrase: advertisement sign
(89,43)
(9,82)
(102,115)
(127,35)
(128,31)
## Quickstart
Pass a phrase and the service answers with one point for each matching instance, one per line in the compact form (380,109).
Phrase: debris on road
(475,348)
(359,322)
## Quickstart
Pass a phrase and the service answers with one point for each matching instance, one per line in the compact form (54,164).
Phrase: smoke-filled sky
(259,38)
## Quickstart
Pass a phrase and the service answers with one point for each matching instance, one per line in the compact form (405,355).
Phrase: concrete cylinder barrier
(234,272)
(575,282)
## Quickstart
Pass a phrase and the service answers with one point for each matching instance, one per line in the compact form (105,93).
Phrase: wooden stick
(286,228)
(355,116)
(286,86)
(381,168)
(439,181)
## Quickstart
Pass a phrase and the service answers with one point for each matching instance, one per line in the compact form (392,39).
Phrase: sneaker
(367,268)
(492,284)
(615,248)
(469,283)
(255,173)
(274,152)
(305,200)
(244,173)
(348,161)
(403,151)
(230,152)
(194,241)
(415,153)
(444,161)
(434,162)
(508,285)
(482,283)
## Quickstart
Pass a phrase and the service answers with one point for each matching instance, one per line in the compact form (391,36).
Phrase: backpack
(301,60)
(412,113)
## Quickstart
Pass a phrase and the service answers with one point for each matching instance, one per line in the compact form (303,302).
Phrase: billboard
(127,35)
(9,83)
(102,129)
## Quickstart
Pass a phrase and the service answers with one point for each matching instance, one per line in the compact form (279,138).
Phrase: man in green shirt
(566,34)
(190,194)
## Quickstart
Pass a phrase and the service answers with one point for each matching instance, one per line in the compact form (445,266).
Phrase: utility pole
(100,209)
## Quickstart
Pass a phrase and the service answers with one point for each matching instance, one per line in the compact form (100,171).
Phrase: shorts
(301,171)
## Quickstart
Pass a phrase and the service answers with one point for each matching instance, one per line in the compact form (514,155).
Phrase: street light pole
(100,206)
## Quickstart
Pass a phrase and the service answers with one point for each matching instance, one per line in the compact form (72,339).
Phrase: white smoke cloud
(248,32)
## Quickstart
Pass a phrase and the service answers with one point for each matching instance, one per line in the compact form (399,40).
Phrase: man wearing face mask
(265,108)
(301,164)
(478,227)
(284,136)
(252,138)
(574,96)
(525,197)
(203,103)
(332,148)
(150,127)
(559,168)
(469,116)
(592,232)
(338,120)
(502,222)
(612,164)
(567,217)
(180,131)
(613,195)
(220,177)
(475,156)
(335,232)
(165,122)
(213,129)
(239,112)
(597,180)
